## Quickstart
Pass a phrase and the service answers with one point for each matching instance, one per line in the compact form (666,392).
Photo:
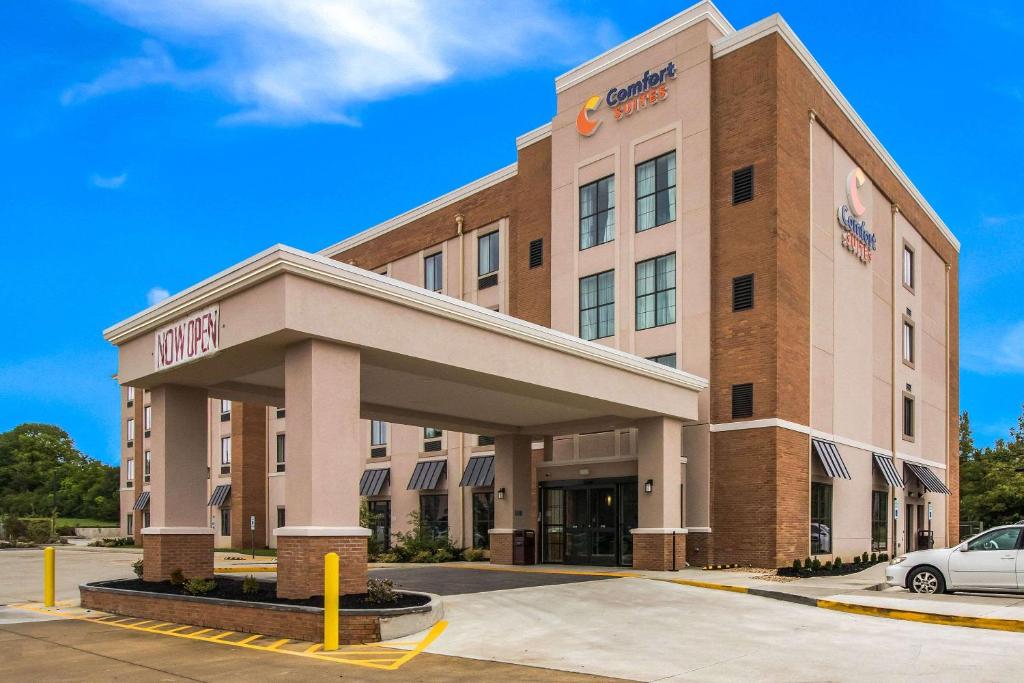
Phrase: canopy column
(512,477)
(659,543)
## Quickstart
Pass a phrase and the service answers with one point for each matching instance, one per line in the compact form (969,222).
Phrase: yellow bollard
(330,602)
(48,577)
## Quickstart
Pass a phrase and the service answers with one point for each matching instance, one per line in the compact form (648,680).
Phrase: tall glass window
(879,520)
(483,519)
(378,433)
(147,465)
(656,292)
(280,452)
(597,212)
(380,522)
(656,192)
(821,519)
(908,267)
(225,521)
(487,254)
(225,451)
(434,515)
(597,305)
(433,272)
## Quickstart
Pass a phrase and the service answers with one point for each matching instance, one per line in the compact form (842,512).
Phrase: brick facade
(282,622)
(300,564)
(248,473)
(653,552)
(698,549)
(501,548)
(165,553)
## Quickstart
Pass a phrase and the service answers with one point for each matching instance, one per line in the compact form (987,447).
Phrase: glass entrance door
(589,523)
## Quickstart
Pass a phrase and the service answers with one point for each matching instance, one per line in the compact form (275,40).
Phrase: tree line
(992,478)
(42,473)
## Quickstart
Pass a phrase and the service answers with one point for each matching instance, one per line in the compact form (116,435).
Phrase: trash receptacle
(523,546)
(925,539)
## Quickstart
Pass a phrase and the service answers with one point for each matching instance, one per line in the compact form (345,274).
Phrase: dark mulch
(231,589)
(848,568)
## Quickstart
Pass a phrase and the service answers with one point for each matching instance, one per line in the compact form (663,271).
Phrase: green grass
(260,552)
(79,521)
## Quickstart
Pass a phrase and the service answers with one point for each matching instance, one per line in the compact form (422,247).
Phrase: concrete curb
(1013,625)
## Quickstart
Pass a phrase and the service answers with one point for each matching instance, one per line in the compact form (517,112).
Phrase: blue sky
(200,137)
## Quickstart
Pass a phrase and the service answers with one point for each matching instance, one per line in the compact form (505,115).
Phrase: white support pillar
(512,493)
(659,543)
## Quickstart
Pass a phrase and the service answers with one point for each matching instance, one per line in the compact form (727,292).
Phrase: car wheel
(926,580)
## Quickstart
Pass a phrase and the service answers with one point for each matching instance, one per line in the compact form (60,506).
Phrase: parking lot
(537,626)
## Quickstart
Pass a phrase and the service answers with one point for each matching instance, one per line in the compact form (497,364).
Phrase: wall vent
(742,400)
(743,185)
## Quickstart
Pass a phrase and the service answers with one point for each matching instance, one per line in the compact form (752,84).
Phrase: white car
(991,561)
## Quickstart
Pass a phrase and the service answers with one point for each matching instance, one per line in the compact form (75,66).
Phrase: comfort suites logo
(626,100)
(856,236)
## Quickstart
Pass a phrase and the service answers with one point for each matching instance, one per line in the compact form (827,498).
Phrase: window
(821,519)
(147,464)
(225,410)
(483,519)
(145,518)
(742,400)
(433,272)
(668,359)
(130,394)
(225,454)
(378,433)
(380,522)
(908,342)
(537,253)
(487,254)
(597,305)
(147,420)
(130,431)
(1000,539)
(597,212)
(129,471)
(743,293)
(908,267)
(656,192)
(743,185)
(280,413)
(908,417)
(280,517)
(431,439)
(225,521)
(879,521)
(485,441)
(434,515)
(656,292)
(280,452)
(129,523)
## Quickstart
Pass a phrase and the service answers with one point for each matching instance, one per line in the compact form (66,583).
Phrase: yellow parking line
(243,641)
(199,632)
(222,635)
(174,630)
(313,648)
(278,644)
(712,586)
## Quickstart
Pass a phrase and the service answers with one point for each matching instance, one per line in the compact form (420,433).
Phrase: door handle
(1008,557)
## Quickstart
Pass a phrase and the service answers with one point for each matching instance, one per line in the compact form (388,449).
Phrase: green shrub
(380,592)
(137,568)
(874,558)
(443,555)
(816,565)
(14,528)
(250,585)
(388,557)
(883,557)
(864,558)
(420,545)
(199,586)
(838,564)
(796,565)
(808,563)
(422,557)
(113,542)
(38,531)
(65,531)
(472,554)
(827,566)
(177,578)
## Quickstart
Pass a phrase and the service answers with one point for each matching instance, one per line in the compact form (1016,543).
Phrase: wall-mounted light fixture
(501,494)
(649,486)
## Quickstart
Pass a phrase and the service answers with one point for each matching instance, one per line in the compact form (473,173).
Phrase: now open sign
(188,338)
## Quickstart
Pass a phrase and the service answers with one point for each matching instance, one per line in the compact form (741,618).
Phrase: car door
(988,562)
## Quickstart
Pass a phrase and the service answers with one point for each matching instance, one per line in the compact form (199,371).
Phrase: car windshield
(999,539)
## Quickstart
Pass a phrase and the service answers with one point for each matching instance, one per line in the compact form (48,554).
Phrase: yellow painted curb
(242,570)
(712,586)
(1013,625)
(567,572)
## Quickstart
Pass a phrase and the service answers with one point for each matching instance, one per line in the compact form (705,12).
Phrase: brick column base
(162,554)
(653,551)
(300,564)
(501,547)
(698,548)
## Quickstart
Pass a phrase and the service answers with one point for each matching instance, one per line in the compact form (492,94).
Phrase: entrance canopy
(425,359)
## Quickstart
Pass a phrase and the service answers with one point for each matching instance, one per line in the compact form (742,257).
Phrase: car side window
(1000,539)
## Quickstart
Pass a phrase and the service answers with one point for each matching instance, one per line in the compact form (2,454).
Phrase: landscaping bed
(814,567)
(266,592)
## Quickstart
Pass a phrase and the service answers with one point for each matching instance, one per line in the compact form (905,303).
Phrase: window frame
(281,454)
(495,236)
(909,268)
(147,419)
(653,294)
(225,520)
(434,526)
(374,514)
(482,531)
(909,400)
(428,268)
(129,471)
(598,306)
(147,465)
(819,518)
(879,521)
(658,359)
(130,431)
(225,454)
(608,211)
(129,396)
(908,342)
(281,518)
(378,427)
(669,191)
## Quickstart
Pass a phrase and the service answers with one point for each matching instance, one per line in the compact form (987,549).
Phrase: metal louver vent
(743,185)
(742,400)
(743,293)
(536,253)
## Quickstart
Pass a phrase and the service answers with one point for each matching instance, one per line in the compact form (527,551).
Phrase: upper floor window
(147,419)
(908,417)
(130,430)
(129,470)
(487,254)
(597,305)
(656,292)
(668,359)
(656,192)
(597,212)
(130,395)
(433,272)
(431,439)
(280,453)
(378,433)
(225,410)
(147,465)
(908,267)
(225,454)
(908,342)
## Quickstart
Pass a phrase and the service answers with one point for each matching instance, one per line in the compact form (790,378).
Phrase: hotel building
(703,197)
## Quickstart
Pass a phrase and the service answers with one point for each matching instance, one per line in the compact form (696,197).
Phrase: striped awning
(888,469)
(479,471)
(927,478)
(142,502)
(220,495)
(372,481)
(426,475)
(830,459)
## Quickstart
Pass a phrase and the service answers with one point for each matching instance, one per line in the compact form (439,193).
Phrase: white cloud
(109,182)
(312,60)
(156,295)
(994,351)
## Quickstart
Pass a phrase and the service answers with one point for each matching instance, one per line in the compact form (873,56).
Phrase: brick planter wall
(300,564)
(654,551)
(698,548)
(283,621)
(501,548)
(191,553)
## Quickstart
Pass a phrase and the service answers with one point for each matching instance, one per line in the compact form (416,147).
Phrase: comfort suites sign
(857,239)
(188,338)
(626,100)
